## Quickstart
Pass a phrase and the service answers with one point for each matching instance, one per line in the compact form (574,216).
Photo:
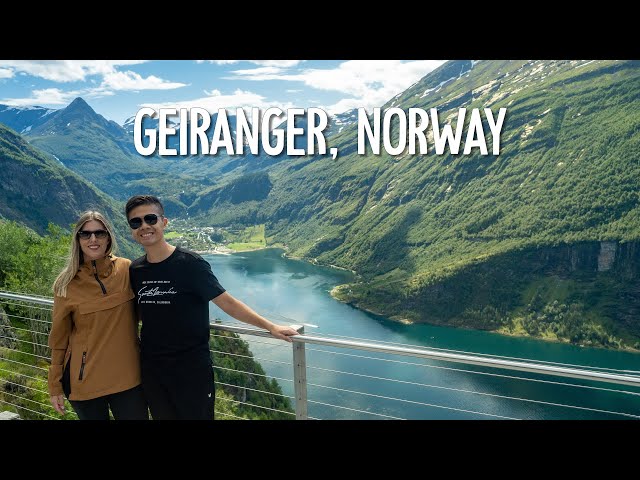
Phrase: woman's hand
(58,403)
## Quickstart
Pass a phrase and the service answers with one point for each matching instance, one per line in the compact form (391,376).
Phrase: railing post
(300,376)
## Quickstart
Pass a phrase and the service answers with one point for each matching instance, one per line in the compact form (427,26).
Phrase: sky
(117,89)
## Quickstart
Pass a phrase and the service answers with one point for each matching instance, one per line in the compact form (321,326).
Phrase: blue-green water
(288,291)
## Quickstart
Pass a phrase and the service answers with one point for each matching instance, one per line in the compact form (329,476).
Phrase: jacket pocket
(66,378)
(105,303)
(84,362)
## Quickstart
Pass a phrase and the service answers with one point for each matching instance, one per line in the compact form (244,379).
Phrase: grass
(240,247)
(251,238)
(24,385)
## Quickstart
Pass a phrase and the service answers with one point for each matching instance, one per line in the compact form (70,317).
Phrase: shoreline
(213,252)
(229,251)
(316,263)
(505,333)
(402,320)
(563,341)
(334,290)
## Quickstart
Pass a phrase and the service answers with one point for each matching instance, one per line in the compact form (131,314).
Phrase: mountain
(253,186)
(92,146)
(340,121)
(79,116)
(543,238)
(430,234)
(36,190)
(23,119)
(147,122)
(102,152)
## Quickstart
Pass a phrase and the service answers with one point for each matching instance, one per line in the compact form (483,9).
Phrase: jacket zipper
(84,360)
(95,274)
(104,292)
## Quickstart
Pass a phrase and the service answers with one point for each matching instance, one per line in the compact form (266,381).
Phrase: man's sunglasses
(150,219)
(86,234)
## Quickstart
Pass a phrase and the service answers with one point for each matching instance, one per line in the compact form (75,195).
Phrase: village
(214,240)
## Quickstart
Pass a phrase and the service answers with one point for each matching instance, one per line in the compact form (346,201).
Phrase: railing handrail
(449,357)
(27,298)
(413,352)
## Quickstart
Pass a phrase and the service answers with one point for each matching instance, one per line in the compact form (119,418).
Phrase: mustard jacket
(96,325)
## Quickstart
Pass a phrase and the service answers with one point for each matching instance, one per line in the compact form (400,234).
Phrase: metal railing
(546,373)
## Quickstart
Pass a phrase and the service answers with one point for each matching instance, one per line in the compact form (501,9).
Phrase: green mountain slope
(36,190)
(103,152)
(567,173)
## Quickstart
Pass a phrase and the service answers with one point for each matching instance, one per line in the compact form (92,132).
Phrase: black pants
(179,390)
(127,405)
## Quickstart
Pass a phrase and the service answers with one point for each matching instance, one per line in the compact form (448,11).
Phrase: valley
(541,238)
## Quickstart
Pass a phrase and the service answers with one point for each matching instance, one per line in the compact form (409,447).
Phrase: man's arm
(238,310)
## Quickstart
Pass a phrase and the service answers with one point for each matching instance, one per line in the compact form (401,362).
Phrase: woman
(95,358)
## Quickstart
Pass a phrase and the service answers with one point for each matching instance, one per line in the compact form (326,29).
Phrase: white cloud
(132,81)
(259,71)
(47,96)
(55,96)
(276,63)
(65,70)
(216,100)
(368,83)
(293,91)
(262,63)
(6,73)
(350,103)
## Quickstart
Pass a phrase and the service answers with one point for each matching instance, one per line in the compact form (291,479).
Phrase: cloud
(132,81)
(368,83)
(216,100)
(65,70)
(276,63)
(259,71)
(263,63)
(220,62)
(47,96)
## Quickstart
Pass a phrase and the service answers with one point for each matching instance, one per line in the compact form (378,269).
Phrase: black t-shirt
(172,300)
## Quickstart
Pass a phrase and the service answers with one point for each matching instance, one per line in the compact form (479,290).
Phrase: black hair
(138,200)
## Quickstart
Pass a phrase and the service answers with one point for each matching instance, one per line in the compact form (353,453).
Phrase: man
(173,287)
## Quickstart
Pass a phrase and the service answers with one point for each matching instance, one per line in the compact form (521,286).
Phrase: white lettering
(475,130)
(166,131)
(149,132)
(365,127)
(154,292)
(496,127)
(440,140)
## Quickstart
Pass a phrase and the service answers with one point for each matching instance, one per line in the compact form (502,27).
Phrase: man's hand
(238,310)
(282,332)
(58,403)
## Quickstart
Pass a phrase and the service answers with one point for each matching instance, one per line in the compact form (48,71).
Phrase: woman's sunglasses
(150,219)
(86,234)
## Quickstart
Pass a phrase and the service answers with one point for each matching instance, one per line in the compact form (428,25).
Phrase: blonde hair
(75,254)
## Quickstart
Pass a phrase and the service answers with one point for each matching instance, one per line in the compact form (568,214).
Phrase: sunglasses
(150,219)
(86,234)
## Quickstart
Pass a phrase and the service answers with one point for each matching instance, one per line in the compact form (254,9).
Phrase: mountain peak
(79,119)
(79,104)
(78,110)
